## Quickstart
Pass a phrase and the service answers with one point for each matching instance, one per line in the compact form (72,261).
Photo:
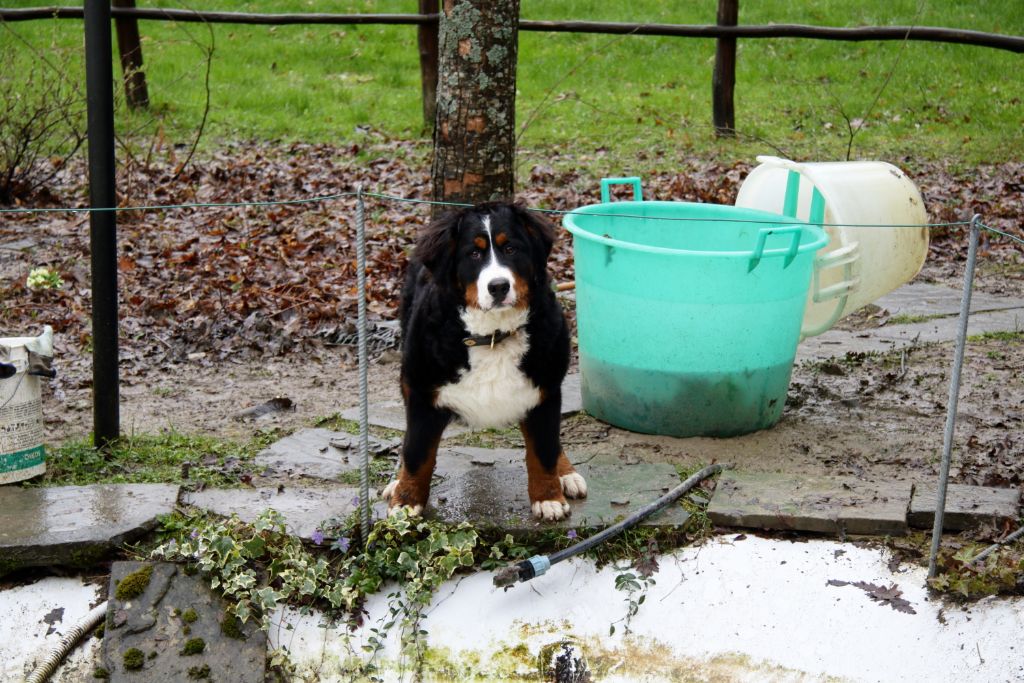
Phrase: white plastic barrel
(22,455)
(859,265)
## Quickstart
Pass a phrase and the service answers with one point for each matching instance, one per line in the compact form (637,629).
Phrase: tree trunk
(474,134)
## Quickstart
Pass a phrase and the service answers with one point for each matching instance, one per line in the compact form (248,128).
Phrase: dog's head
(495,253)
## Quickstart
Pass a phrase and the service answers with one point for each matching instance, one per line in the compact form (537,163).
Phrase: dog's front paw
(573,485)
(391,494)
(550,510)
(411,510)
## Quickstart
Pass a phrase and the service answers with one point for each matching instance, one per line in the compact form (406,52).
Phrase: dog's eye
(510,250)
(476,254)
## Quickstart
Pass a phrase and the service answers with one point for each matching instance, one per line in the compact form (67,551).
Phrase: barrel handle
(789,252)
(847,257)
(606,184)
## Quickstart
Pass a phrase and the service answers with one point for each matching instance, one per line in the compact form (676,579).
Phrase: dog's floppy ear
(539,228)
(435,247)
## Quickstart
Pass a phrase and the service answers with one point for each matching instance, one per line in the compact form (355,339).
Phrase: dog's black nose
(498,289)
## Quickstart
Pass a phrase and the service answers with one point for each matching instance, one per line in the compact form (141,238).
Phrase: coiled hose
(43,671)
(539,564)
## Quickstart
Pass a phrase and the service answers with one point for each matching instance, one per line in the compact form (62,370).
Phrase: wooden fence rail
(916,33)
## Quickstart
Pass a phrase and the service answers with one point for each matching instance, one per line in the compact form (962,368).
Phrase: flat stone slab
(303,508)
(391,414)
(76,525)
(989,313)
(805,503)
(922,298)
(158,623)
(967,507)
(488,488)
(317,453)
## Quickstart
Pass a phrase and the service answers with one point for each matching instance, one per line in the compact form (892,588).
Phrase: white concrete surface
(747,610)
(23,639)
(733,610)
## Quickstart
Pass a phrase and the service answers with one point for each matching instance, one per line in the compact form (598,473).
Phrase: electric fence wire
(782,220)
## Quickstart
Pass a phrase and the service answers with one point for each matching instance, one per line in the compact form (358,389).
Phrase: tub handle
(848,257)
(789,252)
(606,183)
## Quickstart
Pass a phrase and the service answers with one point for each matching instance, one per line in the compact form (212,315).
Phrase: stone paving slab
(922,298)
(989,313)
(317,453)
(76,525)
(488,488)
(967,507)
(830,505)
(945,329)
(391,414)
(303,508)
(158,624)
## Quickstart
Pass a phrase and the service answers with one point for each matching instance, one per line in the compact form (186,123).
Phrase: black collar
(491,340)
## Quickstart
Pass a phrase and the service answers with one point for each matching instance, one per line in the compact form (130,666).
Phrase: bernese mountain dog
(484,340)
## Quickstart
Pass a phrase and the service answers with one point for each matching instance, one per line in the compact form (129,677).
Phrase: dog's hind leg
(424,426)
(550,474)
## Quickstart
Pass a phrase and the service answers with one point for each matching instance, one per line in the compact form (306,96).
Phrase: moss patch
(189,616)
(232,627)
(199,672)
(193,646)
(133,659)
(100,672)
(135,584)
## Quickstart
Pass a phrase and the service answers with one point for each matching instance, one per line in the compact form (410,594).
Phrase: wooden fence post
(128,45)
(427,34)
(723,81)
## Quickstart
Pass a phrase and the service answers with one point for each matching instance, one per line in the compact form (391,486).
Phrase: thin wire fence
(782,220)
(360,195)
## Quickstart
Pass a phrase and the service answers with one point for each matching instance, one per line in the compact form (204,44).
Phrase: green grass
(631,98)
(151,458)
(1007,336)
(906,319)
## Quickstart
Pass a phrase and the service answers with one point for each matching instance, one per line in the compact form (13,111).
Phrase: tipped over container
(23,361)
(873,214)
(688,315)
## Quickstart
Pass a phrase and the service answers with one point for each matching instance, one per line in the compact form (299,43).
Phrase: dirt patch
(875,417)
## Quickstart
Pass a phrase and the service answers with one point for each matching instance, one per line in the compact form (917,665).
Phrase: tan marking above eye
(501,239)
(480,242)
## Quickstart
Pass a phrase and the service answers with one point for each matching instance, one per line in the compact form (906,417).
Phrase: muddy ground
(224,310)
(875,417)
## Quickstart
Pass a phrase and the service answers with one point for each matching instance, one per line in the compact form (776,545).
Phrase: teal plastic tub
(688,315)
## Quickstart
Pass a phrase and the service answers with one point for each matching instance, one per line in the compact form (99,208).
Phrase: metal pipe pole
(99,78)
(954,395)
(364,418)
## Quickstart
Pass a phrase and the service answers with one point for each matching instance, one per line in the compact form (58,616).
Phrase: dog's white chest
(493,392)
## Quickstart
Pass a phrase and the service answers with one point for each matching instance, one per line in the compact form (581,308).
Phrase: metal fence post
(103,224)
(954,395)
(364,433)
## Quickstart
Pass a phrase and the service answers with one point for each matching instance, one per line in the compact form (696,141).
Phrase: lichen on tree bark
(474,135)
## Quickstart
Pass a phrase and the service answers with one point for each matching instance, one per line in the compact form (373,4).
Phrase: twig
(206,106)
(603,47)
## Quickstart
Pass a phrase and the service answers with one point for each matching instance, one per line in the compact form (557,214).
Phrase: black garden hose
(539,564)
